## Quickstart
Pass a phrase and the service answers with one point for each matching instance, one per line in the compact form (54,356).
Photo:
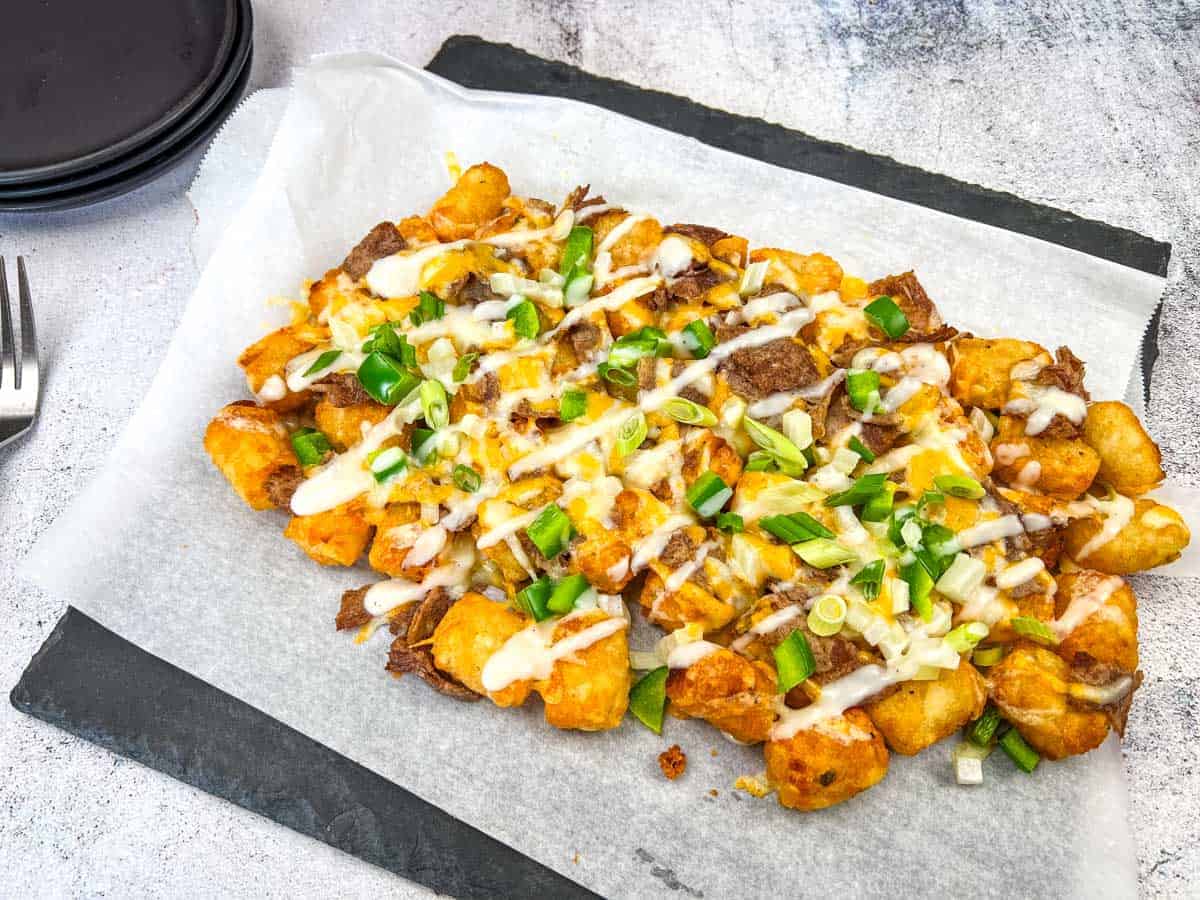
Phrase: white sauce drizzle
(531,654)
(986,532)
(1084,605)
(1019,573)
(687,655)
(1116,514)
(677,578)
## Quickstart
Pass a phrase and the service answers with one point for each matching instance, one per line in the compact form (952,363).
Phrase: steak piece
(781,365)
(382,240)
(342,389)
(282,484)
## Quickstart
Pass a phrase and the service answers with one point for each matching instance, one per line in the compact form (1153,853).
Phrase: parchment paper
(160,549)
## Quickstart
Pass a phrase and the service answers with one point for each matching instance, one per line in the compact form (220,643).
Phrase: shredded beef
(282,483)
(705,234)
(647,372)
(399,620)
(418,661)
(578,199)
(879,438)
(724,332)
(476,290)
(1066,373)
(485,390)
(925,322)
(678,551)
(781,365)
(428,614)
(693,285)
(584,338)
(353,614)
(1087,669)
(342,389)
(382,240)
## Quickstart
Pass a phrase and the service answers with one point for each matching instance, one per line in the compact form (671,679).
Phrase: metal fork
(20,375)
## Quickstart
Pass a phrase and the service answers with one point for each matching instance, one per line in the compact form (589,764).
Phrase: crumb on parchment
(713,792)
(755,785)
(672,761)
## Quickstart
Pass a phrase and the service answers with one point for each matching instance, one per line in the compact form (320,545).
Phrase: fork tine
(29,355)
(8,360)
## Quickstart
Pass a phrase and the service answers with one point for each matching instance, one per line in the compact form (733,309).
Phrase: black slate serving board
(93,683)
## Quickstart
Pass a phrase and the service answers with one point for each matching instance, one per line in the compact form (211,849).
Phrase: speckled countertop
(1095,111)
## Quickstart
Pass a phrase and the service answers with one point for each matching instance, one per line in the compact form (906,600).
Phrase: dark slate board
(93,683)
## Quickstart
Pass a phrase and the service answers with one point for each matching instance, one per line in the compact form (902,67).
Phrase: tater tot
(1062,467)
(729,692)
(1154,535)
(1030,686)
(343,424)
(588,690)
(689,604)
(801,273)
(921,713)
(471,631)
(1103,612)
(269,355)
(1129,459)
(336,537)
(249,444)
(475,200)
(831,762)
(979,369)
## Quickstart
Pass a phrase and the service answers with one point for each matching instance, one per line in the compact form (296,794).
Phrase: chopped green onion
(941,542)
(631,433)
(423,444)
(648,699)
(434,404)
(823,553)
(860,492)
(862,386)
(1025,757)
(462,368)
(962,579)
(572,405)
(861,449)
(1034,629)
(759,461)
(964,638)
(697,338)
(827,615)
(577,253)
(384,339)
(310,445)
(645,341)
(429,308)
(551,531)
(879,507)
(885,315)
(929,498)
(386,464)
(385,380)
(689,413)
(708,494)
(982,731)
(616,375)
(987,656)
(524,317)
(566,592)
(797,428)
(794,528)
(466,479)
(920,584)
(578,288)
(959,486)
(794,661)
(900,515)
(730,523)
(324,361)
(774,442)
(534,597)
(869,579)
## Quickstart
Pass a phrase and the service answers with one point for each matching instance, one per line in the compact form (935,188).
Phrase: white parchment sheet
(160,549)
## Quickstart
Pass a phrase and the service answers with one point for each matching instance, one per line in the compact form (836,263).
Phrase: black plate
(201,111)
(82,83)
(159,163)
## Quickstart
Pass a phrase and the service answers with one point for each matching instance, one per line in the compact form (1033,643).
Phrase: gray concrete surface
(1094,110)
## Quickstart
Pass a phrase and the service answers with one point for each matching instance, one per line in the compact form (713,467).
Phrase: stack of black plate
(99,98)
